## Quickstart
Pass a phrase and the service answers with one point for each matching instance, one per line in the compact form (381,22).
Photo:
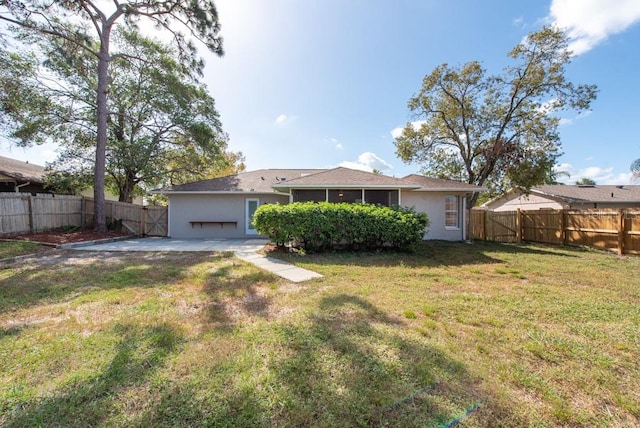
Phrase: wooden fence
(608,229)
(23,213)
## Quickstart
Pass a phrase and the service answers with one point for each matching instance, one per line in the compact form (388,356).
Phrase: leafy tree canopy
(586,182)
(53,18)
(497,131)
(163,127)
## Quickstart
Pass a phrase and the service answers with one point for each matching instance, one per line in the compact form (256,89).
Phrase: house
(19,176)
(578,197)
(223,207)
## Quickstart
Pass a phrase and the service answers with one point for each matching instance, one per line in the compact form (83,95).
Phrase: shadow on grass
(139,352)
(347,364)
(430,254)
(352,366)
(64,275)
(235,297)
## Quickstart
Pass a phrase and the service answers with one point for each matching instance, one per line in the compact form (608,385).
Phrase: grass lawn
(18,248)
(485,334)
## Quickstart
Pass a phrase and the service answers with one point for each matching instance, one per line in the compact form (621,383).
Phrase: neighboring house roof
(21,172)
(273,180)
(428,184)
(573,195)
(587,193)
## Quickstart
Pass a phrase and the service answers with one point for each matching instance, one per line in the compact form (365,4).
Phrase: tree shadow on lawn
(66,275)
(429,254)
(346,364)
(352,366)
(139,352)
(234,298)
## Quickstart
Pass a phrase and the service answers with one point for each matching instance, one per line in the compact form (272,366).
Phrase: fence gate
(501,226)
(155,221)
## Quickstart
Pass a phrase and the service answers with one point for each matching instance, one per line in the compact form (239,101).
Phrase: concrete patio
(244,249)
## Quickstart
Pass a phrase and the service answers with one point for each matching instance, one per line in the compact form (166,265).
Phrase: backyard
(478,334)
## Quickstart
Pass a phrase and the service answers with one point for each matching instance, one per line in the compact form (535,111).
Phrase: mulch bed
(57,237)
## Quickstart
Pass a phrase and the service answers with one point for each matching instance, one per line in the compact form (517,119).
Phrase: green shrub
(327,226)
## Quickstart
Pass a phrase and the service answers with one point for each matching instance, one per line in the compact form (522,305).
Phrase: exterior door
(251,205)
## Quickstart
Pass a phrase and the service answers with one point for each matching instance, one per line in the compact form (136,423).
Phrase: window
(452,212)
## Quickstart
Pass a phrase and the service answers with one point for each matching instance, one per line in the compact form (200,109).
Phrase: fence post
(620,232)
(32,217)
(484,224)
(563,225)
(143,221)
(518,226)
(82,214)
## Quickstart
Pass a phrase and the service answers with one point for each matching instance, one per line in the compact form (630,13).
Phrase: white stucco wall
(433,203)
(207,207)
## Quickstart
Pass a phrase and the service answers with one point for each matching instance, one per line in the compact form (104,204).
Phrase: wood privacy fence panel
(609,229)
(148,220)
(14,214)
(501,226)
(593,228)
(632,226)
(542,226)
(478,221)
(156,221)
(21,213)
(55,211)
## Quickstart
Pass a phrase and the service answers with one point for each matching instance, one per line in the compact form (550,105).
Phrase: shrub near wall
(328,226)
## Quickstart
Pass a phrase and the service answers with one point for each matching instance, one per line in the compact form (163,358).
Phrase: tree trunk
(100,220)
(126,190)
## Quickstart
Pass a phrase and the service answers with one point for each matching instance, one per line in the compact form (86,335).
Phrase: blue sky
(322,83)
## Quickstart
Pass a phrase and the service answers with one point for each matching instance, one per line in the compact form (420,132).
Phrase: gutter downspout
(18,186)
(464,223)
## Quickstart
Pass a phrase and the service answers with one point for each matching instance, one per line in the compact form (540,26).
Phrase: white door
(251,205)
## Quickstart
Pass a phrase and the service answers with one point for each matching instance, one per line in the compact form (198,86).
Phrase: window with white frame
(452,212)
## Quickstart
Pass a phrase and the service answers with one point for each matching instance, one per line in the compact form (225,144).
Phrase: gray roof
(20,171)
(273,180)
(344,177)
(596,193)
(439,184)
(260,181)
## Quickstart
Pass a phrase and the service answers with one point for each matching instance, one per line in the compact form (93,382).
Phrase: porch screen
(309,195)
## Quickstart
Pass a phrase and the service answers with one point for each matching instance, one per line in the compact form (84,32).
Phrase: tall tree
(198,17)
(164,124)
(495,131)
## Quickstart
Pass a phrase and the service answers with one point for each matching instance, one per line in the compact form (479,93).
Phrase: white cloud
(571,120)
(280,120)
(598,174)
(590,22)
(337,143)
(397,132)
(368,161)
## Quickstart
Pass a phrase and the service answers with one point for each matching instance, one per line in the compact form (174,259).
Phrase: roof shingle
(22,171)
(439,184)
(271,180)
(596,193)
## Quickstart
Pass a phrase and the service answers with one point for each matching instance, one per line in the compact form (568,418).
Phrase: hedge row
(326,226)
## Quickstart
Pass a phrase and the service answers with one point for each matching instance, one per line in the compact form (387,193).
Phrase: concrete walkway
(245,249)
